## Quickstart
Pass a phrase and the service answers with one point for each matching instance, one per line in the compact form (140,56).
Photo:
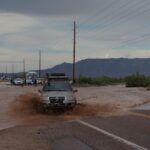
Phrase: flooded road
(96,105)
(18,106)
(8,94)
(92,101)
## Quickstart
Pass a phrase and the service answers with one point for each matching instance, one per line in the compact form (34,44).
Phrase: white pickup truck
(58,93)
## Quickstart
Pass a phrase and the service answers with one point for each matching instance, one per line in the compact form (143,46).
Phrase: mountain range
(112,67)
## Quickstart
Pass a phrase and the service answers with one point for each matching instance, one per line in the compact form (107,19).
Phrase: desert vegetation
(137,80)
(99,80)
(134,80)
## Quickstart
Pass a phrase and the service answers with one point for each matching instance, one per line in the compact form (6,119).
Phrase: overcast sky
(105,29)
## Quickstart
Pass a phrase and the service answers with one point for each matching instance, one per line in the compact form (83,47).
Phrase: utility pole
(39,63)
(24,70)
(74,53)
(12,70)
(6,72)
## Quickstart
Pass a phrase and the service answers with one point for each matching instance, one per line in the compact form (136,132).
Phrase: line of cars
(29,81)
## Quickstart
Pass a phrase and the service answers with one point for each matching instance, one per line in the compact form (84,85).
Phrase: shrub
(137,80)
(99,80)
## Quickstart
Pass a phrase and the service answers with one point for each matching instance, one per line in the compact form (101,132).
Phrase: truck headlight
(69,97)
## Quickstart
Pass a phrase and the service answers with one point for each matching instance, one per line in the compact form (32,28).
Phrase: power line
(118,19)
(125,18)
(135,12)
(10,62)
(134,41)
(108,14)
(97,12)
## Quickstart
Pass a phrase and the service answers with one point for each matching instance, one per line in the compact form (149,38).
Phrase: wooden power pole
(74,53)
(12,70)
(24,70)
(39,63)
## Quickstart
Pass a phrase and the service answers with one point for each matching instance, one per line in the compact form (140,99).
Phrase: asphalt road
(127,132)
(110,133)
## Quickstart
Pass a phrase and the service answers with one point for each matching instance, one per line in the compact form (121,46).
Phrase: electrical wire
(135,12)
(118,19)
(93,16)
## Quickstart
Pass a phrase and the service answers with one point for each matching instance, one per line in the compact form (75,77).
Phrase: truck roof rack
(58,74)
(58,77)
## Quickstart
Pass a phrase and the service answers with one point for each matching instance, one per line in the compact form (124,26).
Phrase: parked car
(18,81)
(58,93)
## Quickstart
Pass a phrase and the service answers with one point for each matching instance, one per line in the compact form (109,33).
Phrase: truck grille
(57,99)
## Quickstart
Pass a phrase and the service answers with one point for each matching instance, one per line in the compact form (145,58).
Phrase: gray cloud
(105,28)
(50,7)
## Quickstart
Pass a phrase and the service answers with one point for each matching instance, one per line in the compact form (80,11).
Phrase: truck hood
(56,94)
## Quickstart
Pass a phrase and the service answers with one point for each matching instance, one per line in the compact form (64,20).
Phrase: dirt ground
(18,105)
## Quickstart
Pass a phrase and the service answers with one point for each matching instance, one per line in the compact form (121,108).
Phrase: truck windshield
(57,86)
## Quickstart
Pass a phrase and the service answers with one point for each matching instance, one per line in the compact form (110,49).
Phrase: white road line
(138,114)
(133,145)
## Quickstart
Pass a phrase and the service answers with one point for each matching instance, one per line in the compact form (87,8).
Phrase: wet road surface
(126,132)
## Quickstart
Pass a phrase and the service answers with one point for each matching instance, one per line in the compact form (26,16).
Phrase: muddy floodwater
(18,105)
(8,94)
(25,110)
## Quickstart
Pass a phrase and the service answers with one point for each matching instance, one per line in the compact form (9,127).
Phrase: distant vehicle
(58,93)
(31,74)
(31,77)
(5,78)
(18,81)
(29,82)
(40,81)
